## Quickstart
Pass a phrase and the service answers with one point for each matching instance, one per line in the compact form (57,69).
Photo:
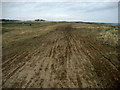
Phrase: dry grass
(103,33)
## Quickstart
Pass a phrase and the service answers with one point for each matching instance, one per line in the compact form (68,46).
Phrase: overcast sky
(67,11)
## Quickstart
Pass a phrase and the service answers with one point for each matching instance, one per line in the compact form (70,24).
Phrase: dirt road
(60,59)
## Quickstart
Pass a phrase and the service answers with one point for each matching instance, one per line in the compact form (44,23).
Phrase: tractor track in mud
(60,59)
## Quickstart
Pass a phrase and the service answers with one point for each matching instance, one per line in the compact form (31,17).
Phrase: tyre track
(61,59)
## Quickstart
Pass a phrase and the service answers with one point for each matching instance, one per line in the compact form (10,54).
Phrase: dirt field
(57,55)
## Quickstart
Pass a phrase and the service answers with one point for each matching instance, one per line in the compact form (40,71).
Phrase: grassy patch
(15,32)
(102,33)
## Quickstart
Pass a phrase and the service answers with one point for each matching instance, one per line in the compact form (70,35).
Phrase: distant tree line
(7,20)
(39,20)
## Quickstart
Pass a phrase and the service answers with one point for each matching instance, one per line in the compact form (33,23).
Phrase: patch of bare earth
(60,59)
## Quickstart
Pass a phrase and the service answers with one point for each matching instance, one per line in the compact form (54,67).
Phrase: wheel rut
(60,59)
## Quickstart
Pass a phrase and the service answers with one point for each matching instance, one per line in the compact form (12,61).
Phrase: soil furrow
(62,58)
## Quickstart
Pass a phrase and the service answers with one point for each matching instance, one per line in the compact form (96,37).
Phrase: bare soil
(62,58)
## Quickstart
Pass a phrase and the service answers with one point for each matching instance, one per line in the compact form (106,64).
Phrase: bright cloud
(68,11)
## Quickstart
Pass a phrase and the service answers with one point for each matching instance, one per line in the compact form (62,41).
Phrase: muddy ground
(61,58)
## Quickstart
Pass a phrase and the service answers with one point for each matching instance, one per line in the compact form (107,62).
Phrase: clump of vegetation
(109,36)
(106,34)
